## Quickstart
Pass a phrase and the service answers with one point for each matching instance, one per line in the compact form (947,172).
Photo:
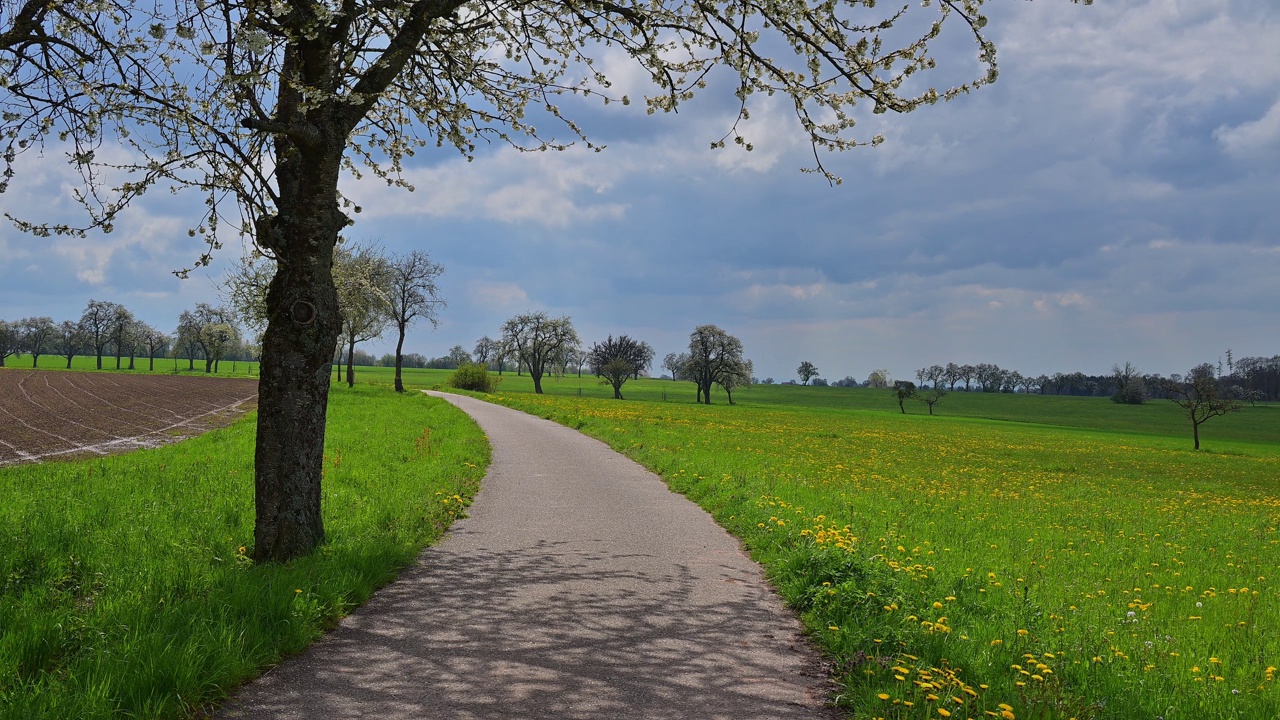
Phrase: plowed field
(56,415)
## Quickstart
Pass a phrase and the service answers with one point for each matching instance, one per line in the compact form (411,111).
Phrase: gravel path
(579,587)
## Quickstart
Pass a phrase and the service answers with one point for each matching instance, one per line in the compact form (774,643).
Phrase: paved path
(580,587)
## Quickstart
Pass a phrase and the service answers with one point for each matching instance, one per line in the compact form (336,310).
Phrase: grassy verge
(125,590)
(956,567)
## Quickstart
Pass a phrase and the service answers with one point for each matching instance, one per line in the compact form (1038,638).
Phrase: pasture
(126,588)
(1080,562)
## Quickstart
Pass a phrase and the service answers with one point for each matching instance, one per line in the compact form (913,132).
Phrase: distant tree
(458,356)
(362,276)
(989,376)
(848,382)
(807,371)
(96,323)
(932,396)
(647,354)
(1200,399)
(616,360)
(577,357)
(69,341)
(36,335)
(878,379)
(195,327)
(486,351)
(217,338)
(8,340)
(819,382)
(713,354)
(413,294)
(121,333)
(1011,380)
(537,341)
(153,342)
(1131,388)
(951,375)
(967,374)
(736,376)
(934,374)
(903,390)
(676,363)
(767,381)
(187,337)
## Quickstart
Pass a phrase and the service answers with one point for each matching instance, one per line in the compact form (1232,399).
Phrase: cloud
(497,297)
(553,189)
(1253,138)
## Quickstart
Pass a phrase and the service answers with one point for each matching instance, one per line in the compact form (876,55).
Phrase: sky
(1114,197)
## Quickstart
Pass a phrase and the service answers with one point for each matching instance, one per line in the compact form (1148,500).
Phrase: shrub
(471,376)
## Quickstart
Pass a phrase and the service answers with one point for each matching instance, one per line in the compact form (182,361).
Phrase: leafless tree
(413,294)
(538,341)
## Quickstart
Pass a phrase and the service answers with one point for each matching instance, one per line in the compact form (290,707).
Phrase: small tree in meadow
(932,396)
(904,390)
(1200,399)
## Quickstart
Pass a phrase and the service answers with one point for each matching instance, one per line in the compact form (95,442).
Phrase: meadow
(126,588)
(1070,558)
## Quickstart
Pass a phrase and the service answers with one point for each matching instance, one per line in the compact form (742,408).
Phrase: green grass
(1060,571)
(125,585)
(181,366)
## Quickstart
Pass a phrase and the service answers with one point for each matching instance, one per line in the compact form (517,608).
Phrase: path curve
(579,587)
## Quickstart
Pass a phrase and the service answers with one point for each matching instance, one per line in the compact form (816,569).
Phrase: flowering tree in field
(262,107)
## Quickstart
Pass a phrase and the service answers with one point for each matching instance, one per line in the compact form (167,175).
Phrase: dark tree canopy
(807,371)
(904,390)
(618,360)
(715,357)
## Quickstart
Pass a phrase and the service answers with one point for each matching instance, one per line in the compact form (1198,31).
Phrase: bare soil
(48,415)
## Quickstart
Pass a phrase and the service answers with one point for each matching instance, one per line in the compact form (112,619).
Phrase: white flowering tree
(264,106)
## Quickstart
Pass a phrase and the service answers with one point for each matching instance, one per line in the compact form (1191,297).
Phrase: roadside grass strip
(962,568)
(126,588)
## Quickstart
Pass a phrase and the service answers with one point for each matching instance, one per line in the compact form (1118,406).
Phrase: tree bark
(400,358)
(351,356)
(297,353)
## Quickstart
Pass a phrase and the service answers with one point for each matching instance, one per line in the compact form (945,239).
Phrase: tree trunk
(99,359)
(297,347)
(351,356)
(208,364)
(537,381)
(69,357)
(153,364)
(1195,432)
(400,358)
